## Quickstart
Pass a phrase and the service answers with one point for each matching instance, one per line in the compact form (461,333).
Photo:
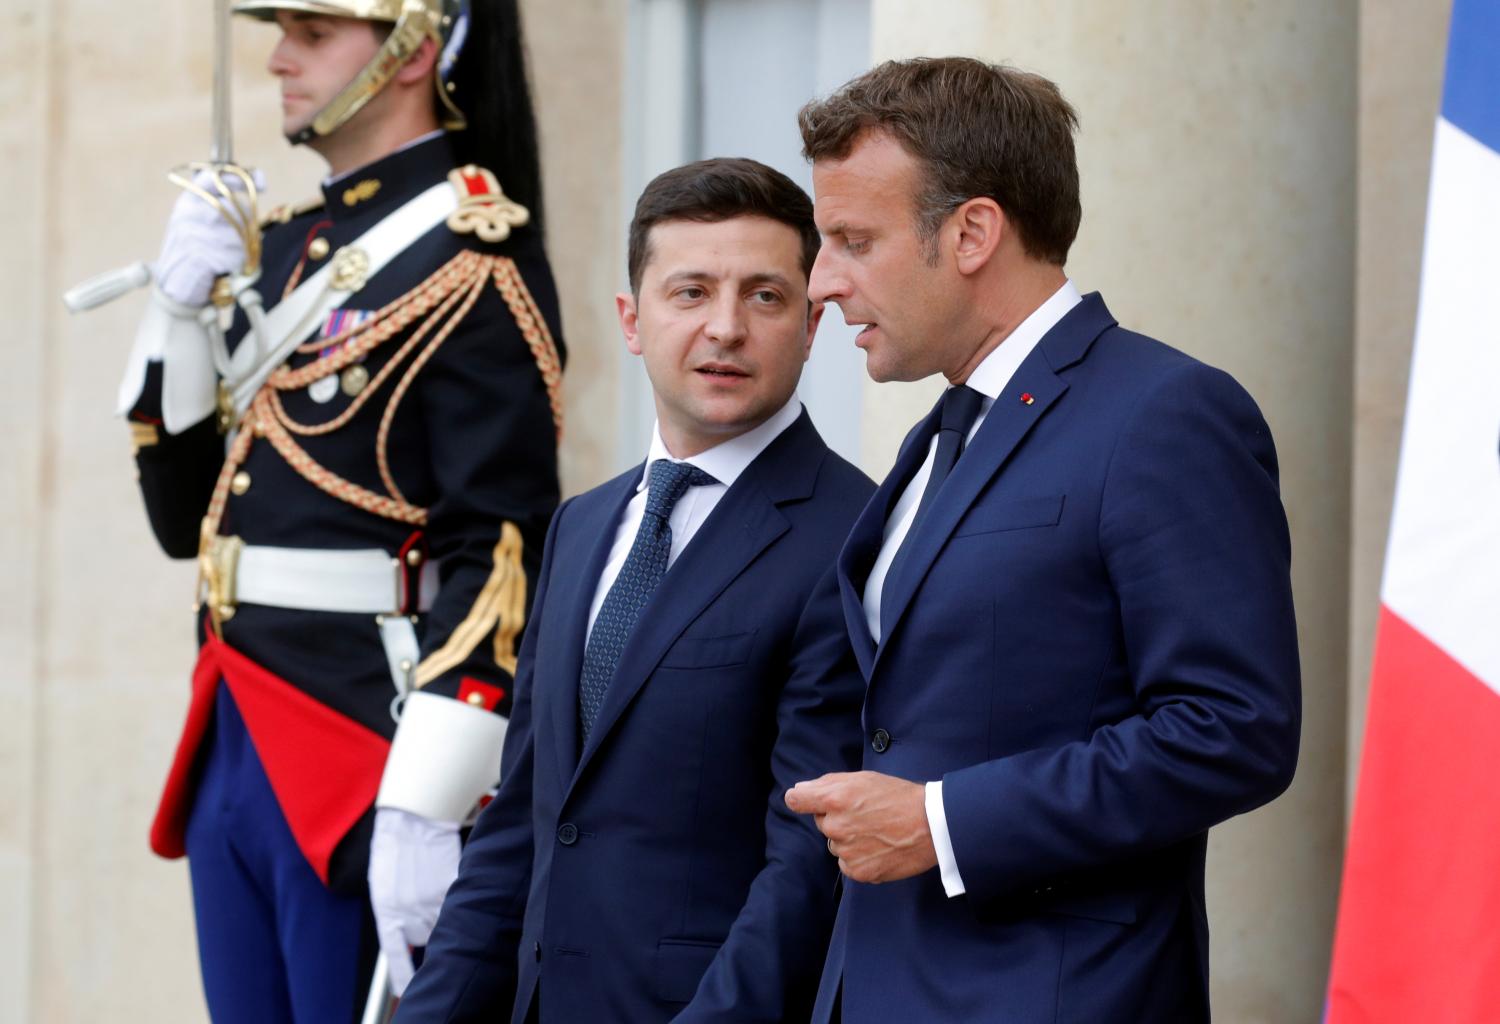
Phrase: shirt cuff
(937,824)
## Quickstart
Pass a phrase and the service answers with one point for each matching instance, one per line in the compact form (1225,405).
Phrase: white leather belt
(367,581)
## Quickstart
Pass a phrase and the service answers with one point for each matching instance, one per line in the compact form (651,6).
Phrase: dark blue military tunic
(472,441)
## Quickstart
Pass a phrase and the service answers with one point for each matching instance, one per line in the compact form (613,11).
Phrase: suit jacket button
(567,834)
(880,742)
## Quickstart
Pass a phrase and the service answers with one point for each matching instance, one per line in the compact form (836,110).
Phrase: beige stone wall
(25,95)
(97,100)
(1217,153)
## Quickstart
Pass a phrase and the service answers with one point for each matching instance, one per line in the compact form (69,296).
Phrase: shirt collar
(996,369)
(727,460)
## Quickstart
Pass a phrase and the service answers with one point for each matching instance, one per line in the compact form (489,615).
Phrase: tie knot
(669,481)
(960,409)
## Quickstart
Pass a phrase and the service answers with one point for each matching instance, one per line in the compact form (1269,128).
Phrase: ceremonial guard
(348,412)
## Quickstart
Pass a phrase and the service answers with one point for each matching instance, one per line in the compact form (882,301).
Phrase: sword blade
(221,148)
(378,1002)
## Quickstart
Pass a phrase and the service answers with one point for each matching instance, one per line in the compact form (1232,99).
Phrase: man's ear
(420,67)
(978,227)
(814,317)
(625,309)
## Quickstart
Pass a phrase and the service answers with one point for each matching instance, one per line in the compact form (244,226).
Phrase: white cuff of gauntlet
(177,335)
(446,756)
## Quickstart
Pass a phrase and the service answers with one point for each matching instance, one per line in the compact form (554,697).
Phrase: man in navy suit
(685,663)
(1070,599)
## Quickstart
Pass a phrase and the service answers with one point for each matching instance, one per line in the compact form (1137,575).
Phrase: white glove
(199,244)
(413,860)
(446,753)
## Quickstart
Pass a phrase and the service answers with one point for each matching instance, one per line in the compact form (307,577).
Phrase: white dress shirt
(724,462)
(989,378)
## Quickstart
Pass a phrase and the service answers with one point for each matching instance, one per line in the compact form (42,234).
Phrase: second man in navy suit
(685,664)
(1071,597)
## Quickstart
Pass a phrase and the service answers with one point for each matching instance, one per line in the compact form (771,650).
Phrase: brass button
(240,483)
(414,557)
(354,379)
(476,698)
(317,248)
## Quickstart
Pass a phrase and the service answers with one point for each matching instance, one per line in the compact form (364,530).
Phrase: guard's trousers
(274,943)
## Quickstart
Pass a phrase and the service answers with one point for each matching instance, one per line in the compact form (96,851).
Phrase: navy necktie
(960,410)
(643,569)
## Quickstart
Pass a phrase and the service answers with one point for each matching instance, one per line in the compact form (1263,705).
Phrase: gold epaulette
(483,207)
(284,212)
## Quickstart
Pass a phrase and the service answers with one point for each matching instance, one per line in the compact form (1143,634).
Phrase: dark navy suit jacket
(1093,646)
(656,873)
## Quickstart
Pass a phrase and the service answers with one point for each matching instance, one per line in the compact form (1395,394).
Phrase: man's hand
(876,824)
(413,860)
(199,246)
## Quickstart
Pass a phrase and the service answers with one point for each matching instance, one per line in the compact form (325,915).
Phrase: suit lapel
(1006,425)
(600,523)
(858,555)
(744,523)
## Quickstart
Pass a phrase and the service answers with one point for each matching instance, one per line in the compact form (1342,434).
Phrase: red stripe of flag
(1420,906)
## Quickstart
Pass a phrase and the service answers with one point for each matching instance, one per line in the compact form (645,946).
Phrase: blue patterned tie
(643,569)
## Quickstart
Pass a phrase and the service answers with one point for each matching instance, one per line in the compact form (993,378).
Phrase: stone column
(1403,44)
(1217,152)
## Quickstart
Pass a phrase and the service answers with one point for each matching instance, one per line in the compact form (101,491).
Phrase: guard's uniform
(400,467)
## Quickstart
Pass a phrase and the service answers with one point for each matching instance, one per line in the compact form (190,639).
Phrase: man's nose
(825,284)
(726,320)
(279,63)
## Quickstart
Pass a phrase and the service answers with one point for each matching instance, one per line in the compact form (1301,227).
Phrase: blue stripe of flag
(1471,88)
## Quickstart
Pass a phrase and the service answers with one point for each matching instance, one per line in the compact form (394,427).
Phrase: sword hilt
(232,191)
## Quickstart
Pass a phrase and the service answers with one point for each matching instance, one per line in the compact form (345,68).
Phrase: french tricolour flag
(1418,936)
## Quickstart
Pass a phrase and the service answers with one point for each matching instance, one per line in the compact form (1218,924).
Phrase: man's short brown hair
(976,129)
(715,190)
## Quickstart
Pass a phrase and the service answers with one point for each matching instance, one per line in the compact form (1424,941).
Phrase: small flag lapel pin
(1026,398)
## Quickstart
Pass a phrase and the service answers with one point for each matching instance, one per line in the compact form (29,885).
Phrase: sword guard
(234,192)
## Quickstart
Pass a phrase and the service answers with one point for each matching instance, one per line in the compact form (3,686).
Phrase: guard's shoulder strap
(284,212)
(484,210)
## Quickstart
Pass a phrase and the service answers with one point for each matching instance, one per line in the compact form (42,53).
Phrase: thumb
(397,954)
(806,797)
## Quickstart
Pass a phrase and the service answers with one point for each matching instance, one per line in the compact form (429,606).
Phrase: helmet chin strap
(417,23)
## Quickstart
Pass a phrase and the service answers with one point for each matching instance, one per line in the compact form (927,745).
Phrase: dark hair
(716,190)
(491,87)
(976,129)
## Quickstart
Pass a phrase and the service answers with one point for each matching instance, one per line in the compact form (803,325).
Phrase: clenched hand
(876,824)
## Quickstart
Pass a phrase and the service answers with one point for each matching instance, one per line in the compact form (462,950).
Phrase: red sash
(324,768)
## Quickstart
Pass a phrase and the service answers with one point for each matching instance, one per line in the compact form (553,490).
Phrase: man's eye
(765,297)
(691,293)
(857,246)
